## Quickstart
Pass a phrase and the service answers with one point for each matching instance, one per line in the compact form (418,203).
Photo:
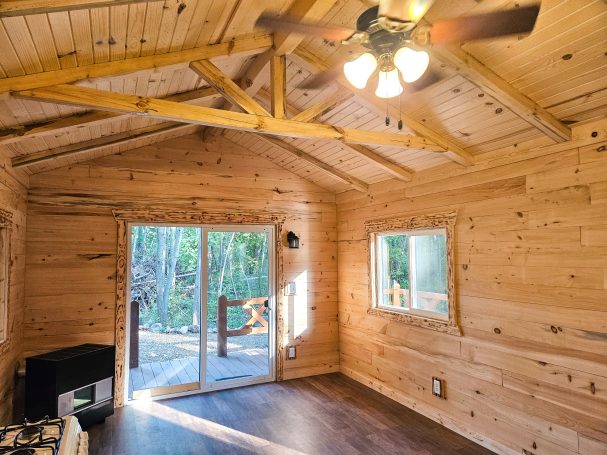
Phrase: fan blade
(490,25)
(323,78)
(289,24)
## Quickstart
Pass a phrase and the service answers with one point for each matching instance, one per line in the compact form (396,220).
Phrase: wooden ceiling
(492,94)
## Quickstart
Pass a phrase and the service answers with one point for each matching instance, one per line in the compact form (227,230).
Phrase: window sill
(418,321)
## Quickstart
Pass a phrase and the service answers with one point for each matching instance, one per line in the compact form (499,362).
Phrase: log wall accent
(72,238)
(13,201)
(529,374)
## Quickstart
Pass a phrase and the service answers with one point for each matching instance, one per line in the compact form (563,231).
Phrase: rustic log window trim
(6,228)
(124,217)
(415,223)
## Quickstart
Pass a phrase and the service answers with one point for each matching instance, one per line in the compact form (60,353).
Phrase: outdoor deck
(249,362)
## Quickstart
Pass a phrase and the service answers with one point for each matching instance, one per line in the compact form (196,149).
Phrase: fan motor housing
(380,40)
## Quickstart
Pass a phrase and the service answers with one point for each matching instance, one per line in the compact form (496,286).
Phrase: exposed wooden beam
(454,152)
(278,85)
(246,45)
(24,7)
(392,168)
(228,88)
(54,127)
(170,110)
(284,43)
(505,93)
(322,107)
(372,156)
(333,172)
(100,143)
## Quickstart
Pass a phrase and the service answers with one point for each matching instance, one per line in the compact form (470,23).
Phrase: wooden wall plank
(530,282)
(71,252)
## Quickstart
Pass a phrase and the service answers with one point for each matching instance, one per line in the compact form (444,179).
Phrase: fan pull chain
(400,113)
(387,113)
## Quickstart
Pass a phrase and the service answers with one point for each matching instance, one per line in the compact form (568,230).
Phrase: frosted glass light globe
(359,71)
(411,64)
(389,84)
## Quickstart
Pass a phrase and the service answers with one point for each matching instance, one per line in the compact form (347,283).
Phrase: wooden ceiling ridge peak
(284,43)
(245,45)
(234,94)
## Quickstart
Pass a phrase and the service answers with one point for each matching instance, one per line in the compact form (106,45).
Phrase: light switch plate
(292,352)
(437,388)
(291,288)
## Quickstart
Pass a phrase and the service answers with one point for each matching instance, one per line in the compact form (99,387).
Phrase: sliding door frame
(126,218)
(271,376)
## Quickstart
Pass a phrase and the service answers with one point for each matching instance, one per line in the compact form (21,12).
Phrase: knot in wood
(143,105)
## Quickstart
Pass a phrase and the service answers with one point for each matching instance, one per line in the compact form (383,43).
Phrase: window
(4,262)
(411,263)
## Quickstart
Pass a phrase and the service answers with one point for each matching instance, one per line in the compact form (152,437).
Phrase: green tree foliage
(165,273)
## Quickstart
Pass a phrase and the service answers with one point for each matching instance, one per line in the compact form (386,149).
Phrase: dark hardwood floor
(329,414)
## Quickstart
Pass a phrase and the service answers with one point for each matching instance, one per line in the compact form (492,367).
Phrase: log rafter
(58,126)
(170,110)
(343,177)
(102,143)
(454,151)
(284,43)
(239,45)
(494,85)
(366,153)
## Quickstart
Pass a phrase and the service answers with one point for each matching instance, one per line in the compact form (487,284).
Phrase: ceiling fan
(397,40)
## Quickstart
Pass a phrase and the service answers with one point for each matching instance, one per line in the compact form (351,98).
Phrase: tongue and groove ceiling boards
(207,55)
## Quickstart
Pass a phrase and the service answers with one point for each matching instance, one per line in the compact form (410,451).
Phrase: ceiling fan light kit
(389,84)
(411,64)
(393,35)
(360,70)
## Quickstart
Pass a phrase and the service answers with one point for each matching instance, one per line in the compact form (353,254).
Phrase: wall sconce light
(292,239)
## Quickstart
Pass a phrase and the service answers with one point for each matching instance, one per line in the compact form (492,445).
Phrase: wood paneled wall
(530,372)
(71,238)
(13,198)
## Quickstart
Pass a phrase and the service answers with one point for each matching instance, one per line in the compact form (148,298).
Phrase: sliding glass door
(165,300)
(200,314)
(239,302)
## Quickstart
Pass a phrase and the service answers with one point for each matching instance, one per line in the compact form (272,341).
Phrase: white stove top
(46,437)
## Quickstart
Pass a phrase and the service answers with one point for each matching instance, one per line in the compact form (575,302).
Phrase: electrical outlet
(291,288)
(438,388)
(291,352)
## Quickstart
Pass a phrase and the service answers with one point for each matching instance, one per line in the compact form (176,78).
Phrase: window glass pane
(430,272)
(4,262)
(393,270)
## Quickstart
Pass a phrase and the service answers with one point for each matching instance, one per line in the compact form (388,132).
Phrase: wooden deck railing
(255,308)
(397,295)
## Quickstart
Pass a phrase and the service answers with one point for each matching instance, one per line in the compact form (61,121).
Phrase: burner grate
(30,438)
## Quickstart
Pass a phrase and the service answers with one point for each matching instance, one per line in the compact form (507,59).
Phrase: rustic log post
(396,295)
(222,326)
(134,341)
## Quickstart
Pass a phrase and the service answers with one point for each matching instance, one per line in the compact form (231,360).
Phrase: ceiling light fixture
(411,64)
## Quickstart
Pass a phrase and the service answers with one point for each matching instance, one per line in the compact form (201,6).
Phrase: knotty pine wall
(13,198)
(530,371)
(71,238)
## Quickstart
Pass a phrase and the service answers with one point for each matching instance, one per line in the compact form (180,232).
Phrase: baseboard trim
(429,412)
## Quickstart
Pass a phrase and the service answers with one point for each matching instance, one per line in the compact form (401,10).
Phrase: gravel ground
(155,347)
